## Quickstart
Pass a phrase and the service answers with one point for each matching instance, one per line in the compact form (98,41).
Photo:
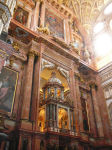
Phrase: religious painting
(55,23)
(8,82)
(21,16)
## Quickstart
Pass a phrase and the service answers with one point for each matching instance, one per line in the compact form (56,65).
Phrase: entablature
(27,4)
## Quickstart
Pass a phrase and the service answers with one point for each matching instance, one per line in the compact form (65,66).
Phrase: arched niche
(46,74)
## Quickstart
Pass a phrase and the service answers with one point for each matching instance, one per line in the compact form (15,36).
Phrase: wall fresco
(55,23)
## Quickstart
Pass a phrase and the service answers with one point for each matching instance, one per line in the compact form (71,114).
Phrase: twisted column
(97,112)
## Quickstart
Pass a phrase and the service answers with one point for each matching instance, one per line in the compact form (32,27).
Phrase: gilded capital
(92,86)
(32,53)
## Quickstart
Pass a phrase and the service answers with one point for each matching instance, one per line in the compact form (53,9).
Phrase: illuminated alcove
(46,74)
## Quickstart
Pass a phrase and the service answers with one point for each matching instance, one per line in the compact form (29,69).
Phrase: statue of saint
(87,56)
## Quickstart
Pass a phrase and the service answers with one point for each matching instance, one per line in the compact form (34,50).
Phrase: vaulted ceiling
(86,10)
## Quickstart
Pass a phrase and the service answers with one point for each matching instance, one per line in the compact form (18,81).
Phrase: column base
(25,124)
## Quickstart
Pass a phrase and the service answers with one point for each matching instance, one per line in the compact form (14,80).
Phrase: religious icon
(8,79)
(21,16)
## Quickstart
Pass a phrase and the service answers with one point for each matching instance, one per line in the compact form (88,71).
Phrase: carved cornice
(61,43)
(58,48)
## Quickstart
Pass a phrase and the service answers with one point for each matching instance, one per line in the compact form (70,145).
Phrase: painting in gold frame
(8,83)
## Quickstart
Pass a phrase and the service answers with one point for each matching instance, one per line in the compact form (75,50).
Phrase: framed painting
(55,23)
(21,16)
(8,83)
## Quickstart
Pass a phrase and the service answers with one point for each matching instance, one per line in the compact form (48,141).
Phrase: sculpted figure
(45,29)
(87,56)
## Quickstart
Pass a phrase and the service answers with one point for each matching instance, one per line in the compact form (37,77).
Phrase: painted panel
(8,81)
(55,23)
(21,16)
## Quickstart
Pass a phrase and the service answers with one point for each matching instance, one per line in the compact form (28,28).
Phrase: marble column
(42,14)
(103,109)
(36,15)
(36,91)
(97,112)
(28,87)
(79,107)
(29,19)
(51,114)
(67,31)
(91,116)
(73,96)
